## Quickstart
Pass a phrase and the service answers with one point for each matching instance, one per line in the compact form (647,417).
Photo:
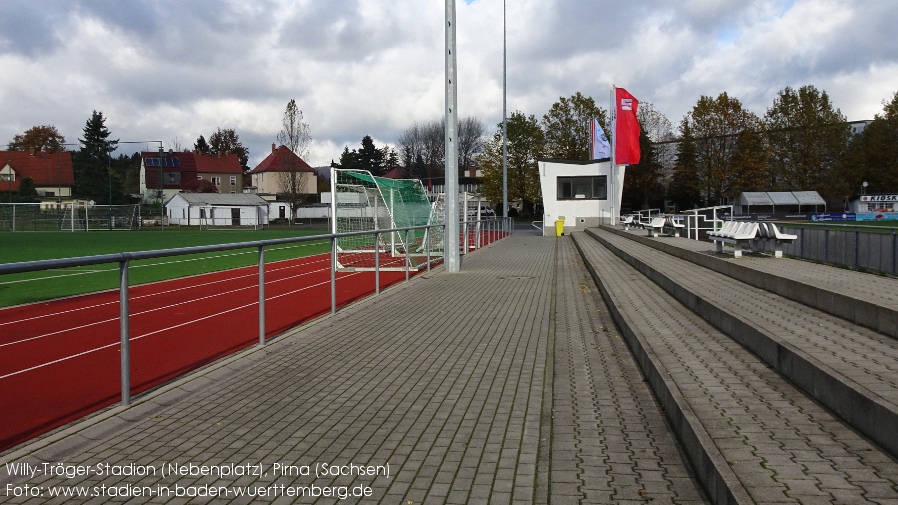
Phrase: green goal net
(363,202)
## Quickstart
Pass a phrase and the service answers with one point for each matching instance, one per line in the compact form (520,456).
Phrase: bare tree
(411,145)
(470,140)
(434,143)
(427,140)
(296,136)
(660,132)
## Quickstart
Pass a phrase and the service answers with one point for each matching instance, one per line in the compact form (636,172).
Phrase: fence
(856,247)
(72,216)
(486,233)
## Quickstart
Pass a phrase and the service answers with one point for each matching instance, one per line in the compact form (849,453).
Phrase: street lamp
(864,188)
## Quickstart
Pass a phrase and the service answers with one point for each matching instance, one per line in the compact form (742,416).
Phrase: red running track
(60,360)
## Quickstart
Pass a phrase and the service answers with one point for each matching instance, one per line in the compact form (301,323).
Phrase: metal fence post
(333,275)
(408,260)
(125,331)
(376,263)
(478,235)
(894,251)
(261,295)
(427,246)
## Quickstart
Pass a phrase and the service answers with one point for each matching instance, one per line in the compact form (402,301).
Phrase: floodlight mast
(452,256)
(504,116)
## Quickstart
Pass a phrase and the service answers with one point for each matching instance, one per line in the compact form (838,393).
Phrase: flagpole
(613,111)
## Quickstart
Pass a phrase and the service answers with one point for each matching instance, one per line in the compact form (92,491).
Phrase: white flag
(599,145)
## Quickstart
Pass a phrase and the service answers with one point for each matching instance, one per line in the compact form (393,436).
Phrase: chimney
(273,149)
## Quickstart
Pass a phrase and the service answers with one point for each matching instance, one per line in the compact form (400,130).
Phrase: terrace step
(850,369)
(749,433)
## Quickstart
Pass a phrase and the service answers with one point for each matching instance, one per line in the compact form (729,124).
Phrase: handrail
(489,230)
(124,260)
(32,266)
(693,224)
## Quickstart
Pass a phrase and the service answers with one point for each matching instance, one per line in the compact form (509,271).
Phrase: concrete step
(865,299)
(850,369)
(750,435)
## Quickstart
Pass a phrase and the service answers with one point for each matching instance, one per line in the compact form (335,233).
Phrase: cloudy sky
(172,70)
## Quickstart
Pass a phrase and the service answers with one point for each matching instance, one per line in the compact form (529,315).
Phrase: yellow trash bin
(559,226)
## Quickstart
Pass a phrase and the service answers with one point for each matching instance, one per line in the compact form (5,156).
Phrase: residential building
(51,172)
(179,171)
(271,176)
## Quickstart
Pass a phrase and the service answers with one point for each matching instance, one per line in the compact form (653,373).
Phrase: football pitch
(16,289)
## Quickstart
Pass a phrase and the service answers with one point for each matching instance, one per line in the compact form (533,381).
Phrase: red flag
(626,134)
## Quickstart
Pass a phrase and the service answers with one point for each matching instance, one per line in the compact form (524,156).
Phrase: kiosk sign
(879,198)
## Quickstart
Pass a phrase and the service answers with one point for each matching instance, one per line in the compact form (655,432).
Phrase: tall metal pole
(58,176)
(504,116)
(109,180)
(161,190)
(452,259)
(613,149)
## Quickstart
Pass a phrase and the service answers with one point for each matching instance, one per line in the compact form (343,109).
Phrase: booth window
(583,188)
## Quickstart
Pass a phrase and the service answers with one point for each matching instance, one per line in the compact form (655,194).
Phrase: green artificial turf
(30,287)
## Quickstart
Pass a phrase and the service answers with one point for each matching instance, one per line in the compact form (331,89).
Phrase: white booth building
(215,209)
(584,193)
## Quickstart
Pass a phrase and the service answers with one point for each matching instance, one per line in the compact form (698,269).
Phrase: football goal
(69,216)
(473,209)
(363,202)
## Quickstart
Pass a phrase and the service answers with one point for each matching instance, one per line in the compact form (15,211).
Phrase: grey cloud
(28,28)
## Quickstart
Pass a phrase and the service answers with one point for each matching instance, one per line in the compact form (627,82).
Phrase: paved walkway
(505,383)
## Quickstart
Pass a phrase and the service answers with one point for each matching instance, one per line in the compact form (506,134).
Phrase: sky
(172,70)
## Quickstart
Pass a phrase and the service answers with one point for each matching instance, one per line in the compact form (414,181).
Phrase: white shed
(583,192)
(215,209)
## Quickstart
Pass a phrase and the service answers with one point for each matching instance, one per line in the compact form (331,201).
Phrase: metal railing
(489,229)
(855,246)
(704,220)
(124,260)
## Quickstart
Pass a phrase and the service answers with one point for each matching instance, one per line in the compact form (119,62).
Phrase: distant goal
(363,202)
(70,216)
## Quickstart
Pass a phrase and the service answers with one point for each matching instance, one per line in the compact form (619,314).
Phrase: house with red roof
(167,174)
(272,175)
(51,172)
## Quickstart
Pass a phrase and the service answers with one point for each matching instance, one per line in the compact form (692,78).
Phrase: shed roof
(223,199)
